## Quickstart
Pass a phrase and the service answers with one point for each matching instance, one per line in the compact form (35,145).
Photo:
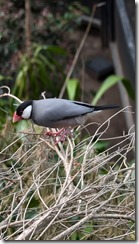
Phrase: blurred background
(39,41)
(78,50)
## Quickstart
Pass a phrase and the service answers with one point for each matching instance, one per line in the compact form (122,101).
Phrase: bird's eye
(20,112)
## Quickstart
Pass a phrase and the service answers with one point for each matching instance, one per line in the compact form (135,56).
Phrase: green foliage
(41,71)
(84,234)
(61,20)
(72,88)
(128,88)
(101,146)
(51,23)
(2,78)
(111,81)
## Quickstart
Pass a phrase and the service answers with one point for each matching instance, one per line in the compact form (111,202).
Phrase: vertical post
(104,29)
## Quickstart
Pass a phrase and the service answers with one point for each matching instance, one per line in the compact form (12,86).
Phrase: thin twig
(9,94)
(77,53)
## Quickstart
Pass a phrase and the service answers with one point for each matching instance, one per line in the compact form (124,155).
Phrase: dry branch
(73,185)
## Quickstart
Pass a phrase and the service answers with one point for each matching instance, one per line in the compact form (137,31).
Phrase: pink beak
(16,117)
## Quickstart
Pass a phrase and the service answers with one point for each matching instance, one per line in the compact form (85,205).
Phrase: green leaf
(5,77)
(107,84)
(50,48)
(1,77)
(72,88)
(23,125)
(88,229)
(101,145)
(38,50)
(74,236)
(111,81)
(46,62)
(128,88)
(33,203)
(57,50)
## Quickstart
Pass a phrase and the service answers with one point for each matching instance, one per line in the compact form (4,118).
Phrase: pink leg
(62,134)
(54,134)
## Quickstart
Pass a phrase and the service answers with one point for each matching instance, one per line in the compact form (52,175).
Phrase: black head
(24,107)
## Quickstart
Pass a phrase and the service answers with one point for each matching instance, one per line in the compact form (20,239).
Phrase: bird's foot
(61,134)
(54,134)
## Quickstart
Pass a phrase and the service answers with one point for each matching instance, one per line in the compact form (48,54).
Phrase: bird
(57,112)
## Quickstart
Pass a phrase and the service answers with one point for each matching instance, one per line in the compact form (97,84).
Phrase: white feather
(27,112)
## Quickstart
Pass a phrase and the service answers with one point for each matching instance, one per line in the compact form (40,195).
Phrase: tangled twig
(65,179)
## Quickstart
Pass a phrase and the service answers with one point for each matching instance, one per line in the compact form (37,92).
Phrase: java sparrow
(56,112)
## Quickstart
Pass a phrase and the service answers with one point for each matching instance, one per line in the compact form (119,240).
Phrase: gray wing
(54,109)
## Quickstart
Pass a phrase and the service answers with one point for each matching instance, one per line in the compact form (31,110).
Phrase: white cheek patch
(27,112)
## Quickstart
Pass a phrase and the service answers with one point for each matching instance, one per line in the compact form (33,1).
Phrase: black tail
(103,107)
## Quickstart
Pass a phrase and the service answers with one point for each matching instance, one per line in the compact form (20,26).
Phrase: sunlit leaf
(71,88)
(111,81)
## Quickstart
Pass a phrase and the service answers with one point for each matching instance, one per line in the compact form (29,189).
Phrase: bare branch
(9,94)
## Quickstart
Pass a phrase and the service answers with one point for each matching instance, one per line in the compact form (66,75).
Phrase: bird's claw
(61,134)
